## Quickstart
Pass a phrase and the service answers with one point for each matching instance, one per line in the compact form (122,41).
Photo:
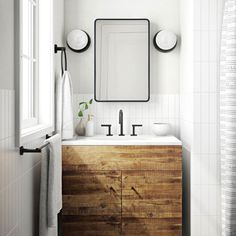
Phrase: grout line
(18,178)
(200,86)
(12,230)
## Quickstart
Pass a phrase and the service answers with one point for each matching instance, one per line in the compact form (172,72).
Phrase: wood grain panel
(94,193)
(91,182)
(122,190)
(152,194)
(152,177)
(152,185)
(121,158)
(148,209)
(97,226)
(151,227)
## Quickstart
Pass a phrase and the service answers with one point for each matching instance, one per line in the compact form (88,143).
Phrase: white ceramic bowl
(161,129)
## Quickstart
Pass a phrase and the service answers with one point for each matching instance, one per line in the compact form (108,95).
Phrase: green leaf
(90,101)
(86,106)
(80,114)
(82,105)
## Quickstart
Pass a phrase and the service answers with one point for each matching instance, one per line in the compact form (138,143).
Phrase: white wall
(199,112)
(205,160)
(162,14)
(164,104)
(186,102)
(161,108)
(7,44)
(19,175)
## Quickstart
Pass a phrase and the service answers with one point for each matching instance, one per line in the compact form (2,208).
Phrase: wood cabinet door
(94,158)
(152,202)
(91,202)
(122,190)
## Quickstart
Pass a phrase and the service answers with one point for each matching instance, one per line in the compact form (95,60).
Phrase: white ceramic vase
(80,128)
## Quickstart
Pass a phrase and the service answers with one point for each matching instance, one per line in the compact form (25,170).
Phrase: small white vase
(80,128)
(89,130)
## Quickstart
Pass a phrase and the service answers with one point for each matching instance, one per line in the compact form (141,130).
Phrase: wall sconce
(78,41)
(165,41)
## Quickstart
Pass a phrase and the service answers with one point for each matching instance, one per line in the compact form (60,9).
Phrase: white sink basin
(124,140)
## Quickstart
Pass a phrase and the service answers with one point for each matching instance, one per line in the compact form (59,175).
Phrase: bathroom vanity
(122,186)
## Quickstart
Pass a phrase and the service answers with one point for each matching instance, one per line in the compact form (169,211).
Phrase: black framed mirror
(122,60)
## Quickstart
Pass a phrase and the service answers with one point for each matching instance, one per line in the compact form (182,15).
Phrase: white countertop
(102,140)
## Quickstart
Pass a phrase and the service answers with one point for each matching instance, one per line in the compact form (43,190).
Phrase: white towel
(64,123)
(50,187)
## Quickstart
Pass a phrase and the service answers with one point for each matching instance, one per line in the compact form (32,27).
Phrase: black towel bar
(63,52)
(56,48)
(35,150)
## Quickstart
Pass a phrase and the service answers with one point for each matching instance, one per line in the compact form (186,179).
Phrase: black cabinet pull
(112,189)
(137,192)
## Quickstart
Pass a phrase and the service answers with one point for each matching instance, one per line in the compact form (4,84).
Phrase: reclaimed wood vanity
(122,189)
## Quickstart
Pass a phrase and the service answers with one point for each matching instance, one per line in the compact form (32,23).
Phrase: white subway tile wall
(160,108)
(205,159)
(19,177)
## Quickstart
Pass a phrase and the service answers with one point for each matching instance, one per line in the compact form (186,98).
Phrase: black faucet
(121,123)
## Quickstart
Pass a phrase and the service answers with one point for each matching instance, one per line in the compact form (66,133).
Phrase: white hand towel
(64,124)
(51,187)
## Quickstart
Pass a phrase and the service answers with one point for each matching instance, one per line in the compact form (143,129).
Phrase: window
(35,86)
(29,58)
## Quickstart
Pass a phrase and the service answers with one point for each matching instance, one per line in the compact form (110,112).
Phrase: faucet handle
(109,129)
(135,125)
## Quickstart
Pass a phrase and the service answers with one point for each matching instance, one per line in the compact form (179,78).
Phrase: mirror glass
(122,60)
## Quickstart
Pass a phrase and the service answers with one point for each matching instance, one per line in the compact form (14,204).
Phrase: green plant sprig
(83,106)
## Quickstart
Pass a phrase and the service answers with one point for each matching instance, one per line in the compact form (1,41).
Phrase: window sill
(35,132)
